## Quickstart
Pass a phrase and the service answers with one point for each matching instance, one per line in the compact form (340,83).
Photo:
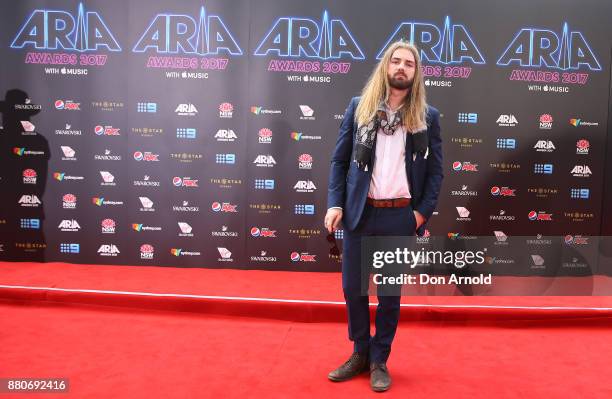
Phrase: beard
(400,84)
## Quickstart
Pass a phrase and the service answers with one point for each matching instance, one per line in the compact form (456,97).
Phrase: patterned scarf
(366,135)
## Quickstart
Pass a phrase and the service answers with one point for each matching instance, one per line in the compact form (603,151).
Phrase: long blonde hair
(377,89)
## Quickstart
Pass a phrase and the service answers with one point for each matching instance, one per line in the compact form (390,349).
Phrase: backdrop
(199,134)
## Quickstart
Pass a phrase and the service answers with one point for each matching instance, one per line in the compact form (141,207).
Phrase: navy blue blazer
(349,186)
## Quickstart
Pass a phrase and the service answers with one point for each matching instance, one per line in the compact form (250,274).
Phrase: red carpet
(107,352)
(279,284)
(198,343)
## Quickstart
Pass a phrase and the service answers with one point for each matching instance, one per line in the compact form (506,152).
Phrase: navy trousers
(374,222)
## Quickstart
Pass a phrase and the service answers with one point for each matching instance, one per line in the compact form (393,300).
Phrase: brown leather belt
(389,203)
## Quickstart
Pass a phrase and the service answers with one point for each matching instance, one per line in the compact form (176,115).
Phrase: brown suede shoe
(357,363)
(380,380)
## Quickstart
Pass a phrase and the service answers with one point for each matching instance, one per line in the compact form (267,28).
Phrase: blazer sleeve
(341,158)
(434,173)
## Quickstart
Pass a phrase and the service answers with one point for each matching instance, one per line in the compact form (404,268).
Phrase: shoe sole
(336,379)
(381,389)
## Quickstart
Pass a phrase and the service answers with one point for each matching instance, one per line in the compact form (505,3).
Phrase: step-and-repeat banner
(199,134)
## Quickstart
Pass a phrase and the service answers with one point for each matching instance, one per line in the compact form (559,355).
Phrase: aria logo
(28,200)
(581,171)
(304,186)
(186,110)
(108,250)
(227,135)
(58,30)
(544,48)
(179,33)
(303,37)
(266,161)
(507,120)
(69,225)
(450,45)
(544,146)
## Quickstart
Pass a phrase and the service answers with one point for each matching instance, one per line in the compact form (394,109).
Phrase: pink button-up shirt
(389,178)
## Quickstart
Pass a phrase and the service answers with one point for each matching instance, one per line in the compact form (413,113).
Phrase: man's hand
(419,219)
(332,219)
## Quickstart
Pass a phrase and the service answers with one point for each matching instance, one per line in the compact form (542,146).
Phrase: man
(385,178)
